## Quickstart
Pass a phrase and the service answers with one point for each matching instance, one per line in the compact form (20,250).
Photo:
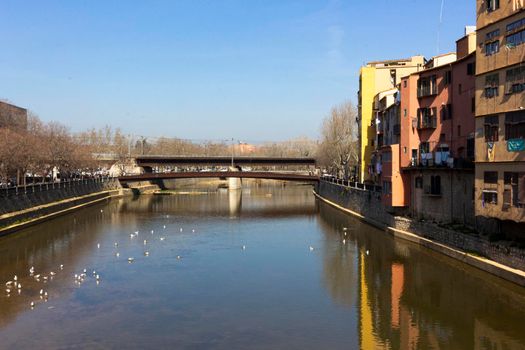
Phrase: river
(265,268)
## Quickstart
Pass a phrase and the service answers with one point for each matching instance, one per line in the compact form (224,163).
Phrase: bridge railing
(11,191)
(352,184)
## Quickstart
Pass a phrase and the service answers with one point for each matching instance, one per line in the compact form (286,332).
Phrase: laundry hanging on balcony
(515,145)
(490,151)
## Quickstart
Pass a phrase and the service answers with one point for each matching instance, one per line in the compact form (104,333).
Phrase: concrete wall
(41,195)
(455,203)
(369,205)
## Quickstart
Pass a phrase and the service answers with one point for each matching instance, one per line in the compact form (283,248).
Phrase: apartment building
(385,169)
(500,116)
(374,78)
(12,116)
(437,136)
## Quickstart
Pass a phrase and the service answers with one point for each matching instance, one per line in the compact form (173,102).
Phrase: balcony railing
(427,122)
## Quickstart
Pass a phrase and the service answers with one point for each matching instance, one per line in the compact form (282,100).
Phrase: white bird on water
(164,226)
(61,267)
(8,283)
(32,270)
(145,242)
(116,244)
(146,253)
(41,292)
(98,245)
(162,238)
(367,252)
(311,248)
(243,247)
(15,278)
(130,260)
(344,241)
(152,231)
(117,254)
(32,304)
(178,257)
(181,229)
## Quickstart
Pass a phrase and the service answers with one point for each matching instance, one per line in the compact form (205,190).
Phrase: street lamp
(232,152)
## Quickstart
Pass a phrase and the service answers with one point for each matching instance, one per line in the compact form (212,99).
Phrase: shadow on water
(410,297)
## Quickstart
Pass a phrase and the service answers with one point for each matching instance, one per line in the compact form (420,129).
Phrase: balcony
(427,122)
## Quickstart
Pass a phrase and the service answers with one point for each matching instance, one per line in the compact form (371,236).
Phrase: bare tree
(339,150)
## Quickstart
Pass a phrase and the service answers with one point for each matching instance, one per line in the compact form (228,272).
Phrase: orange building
(426,161)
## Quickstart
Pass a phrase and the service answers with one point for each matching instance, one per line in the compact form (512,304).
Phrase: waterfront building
(374,78)
(436,147)
(12,116)
(500,116)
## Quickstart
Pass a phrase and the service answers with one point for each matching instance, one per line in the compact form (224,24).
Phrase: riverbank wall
(23,198)
(499,259)
(34,204)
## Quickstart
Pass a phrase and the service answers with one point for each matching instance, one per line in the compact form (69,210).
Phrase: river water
(265,268)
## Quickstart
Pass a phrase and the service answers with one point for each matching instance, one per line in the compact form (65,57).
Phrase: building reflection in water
(412,298)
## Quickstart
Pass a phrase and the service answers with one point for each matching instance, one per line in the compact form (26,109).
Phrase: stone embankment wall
(368,204)
(38,195)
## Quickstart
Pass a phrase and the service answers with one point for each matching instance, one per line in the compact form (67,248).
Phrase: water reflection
(369,292)
(410,298)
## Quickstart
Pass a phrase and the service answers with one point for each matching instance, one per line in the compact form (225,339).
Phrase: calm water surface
(199,289)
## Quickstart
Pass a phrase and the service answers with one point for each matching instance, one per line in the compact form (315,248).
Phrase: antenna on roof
(439,26)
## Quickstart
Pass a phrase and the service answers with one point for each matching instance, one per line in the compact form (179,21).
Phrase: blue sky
(254,70)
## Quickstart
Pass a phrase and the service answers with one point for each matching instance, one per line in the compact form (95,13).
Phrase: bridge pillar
(234,183)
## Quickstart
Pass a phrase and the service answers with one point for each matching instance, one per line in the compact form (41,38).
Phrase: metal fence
(352,184)
(50,186)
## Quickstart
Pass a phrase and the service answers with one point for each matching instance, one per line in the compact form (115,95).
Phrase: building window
(490,197)
(491,48)
(492,5)
(424,147)
(515,80)
(515,39)
(515,25)
(404,150)
(435,185)
(491,85)
(493,34)
(515,125)
(427,86)
(387,187)
(491,124)
(471,68)
(404,83)
(446,111)
(490,177)
(447,77)
(514,183)
(419,182)
(427,118)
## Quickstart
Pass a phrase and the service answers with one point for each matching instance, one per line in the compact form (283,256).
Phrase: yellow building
(375,77)
(500,117)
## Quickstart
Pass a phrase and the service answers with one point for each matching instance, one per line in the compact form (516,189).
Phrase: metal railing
(352,184)
(48,186)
